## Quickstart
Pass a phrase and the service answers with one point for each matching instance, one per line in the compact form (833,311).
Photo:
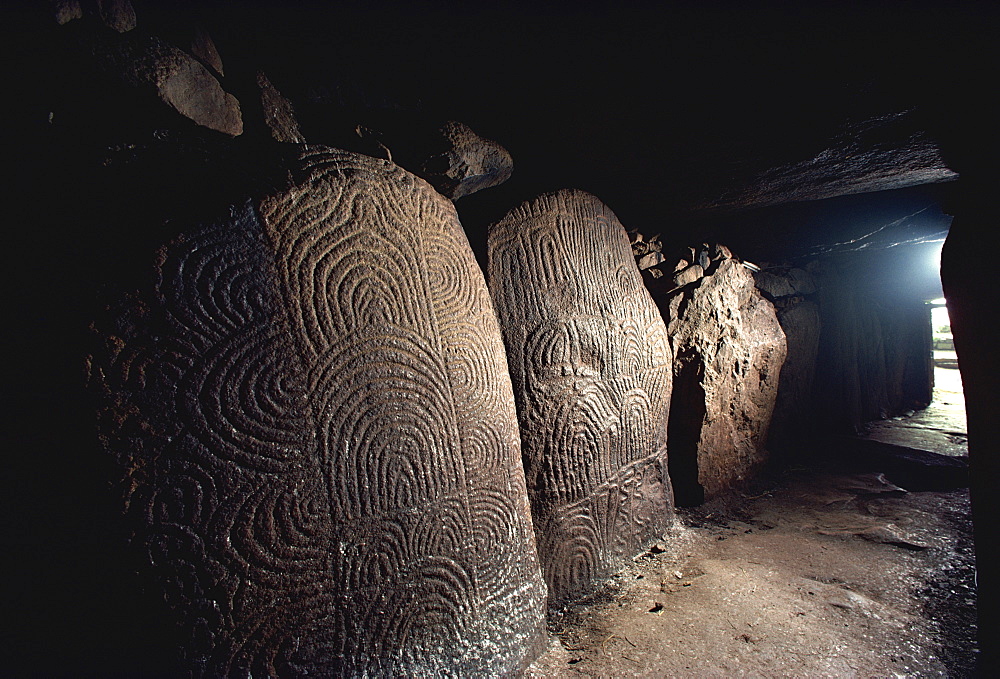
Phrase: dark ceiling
(633,99)
(657,108)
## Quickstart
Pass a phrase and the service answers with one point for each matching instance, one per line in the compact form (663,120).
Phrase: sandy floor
(814,572)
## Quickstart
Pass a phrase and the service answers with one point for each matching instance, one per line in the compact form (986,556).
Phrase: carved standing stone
(590,363)
(318,436)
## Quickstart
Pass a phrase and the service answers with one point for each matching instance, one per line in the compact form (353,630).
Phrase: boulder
(728,351)
(175,77)
(203,47)
(773,285)
(461,162)
(802,281)
(279,115)
(649,260)
(720,251)
(118,15)
(642,246)
(316,433)
(688,275)
(64,11)
(591,368)
(783,281)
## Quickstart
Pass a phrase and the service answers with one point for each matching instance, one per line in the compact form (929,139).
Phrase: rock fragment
(203,47)
(64,11)
(176,78)
(461,162)
(650,260)
(118,15)
(688,275)
(279,114)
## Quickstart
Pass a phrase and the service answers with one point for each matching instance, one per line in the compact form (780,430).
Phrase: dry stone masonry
(318,438)
(591,369)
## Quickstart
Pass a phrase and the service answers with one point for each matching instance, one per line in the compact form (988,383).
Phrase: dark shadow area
(687,410)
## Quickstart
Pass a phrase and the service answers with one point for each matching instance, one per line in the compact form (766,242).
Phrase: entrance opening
(940,427)
(948,403)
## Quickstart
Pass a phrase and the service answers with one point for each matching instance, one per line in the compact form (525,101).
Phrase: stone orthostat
(728,349)
(591,367)
(319,440)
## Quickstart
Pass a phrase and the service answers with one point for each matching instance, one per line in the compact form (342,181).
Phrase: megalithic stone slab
(319,440)
(729,349)
(591,368)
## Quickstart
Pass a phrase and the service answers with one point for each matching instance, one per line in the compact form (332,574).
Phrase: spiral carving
(328,479)
(592,376)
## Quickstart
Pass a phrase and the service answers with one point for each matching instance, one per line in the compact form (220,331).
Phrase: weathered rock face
(880,154)
(462,162)
(728,351)
(591,369)
(279,115)
(790,290)
(178,80)
(318,437)
(203,47)
(118,15)
(64,11)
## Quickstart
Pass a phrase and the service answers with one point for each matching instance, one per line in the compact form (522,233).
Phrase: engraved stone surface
(318,436)
(591,369)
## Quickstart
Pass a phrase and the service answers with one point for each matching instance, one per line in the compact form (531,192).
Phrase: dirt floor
(815,571)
